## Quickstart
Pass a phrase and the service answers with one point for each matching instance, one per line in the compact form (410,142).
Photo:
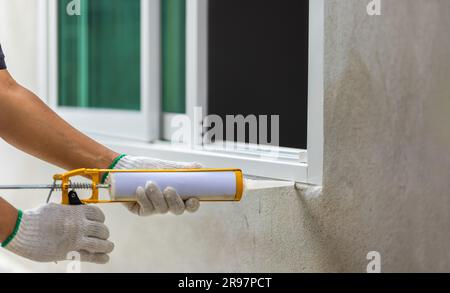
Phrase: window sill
(250,165)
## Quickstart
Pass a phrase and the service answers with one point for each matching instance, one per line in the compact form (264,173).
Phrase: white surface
(203,185)
(196,59)
(252,184)
(255,166)
(316,91)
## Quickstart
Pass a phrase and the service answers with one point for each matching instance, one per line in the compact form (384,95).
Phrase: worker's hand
(151,200)
(52,231)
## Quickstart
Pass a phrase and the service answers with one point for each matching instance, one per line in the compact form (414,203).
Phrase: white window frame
(305,166)
(141,125)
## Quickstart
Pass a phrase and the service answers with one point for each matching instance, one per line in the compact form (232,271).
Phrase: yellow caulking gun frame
(95,176)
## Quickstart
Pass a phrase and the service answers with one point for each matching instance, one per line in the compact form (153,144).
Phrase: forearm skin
(31,126)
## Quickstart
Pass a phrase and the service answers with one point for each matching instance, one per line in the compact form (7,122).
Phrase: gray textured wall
(387,167)
(387,132)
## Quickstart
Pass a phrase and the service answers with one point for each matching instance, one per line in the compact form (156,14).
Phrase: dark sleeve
(2,59)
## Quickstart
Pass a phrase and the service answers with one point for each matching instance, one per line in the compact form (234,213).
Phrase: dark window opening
(258,63)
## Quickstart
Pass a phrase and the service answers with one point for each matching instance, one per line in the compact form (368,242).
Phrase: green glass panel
(174,55)
(99,55)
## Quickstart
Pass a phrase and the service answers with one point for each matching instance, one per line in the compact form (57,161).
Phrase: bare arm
(7,220)
(30,125)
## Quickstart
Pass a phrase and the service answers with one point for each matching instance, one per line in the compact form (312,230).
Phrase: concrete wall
(387,162)
(18,39)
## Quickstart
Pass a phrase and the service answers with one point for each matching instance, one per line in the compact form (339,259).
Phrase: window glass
(99,55)
(258,62)
(174,56)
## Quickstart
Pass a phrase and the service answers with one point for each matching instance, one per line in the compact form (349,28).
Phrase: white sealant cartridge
(204,184)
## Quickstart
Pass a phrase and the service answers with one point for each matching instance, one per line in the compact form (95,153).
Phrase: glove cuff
(132,163)
(16,229)
(113,166)
(26,235)
(128,162)
(120,163)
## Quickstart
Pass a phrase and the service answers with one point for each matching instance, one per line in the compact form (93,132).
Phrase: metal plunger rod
(51,186)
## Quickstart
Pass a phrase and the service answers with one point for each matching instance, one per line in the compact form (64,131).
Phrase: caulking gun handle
(74,200)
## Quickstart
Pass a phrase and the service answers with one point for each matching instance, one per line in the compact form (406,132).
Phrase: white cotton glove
(150,199)
(49,233)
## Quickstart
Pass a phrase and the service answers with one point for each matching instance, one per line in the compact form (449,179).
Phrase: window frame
(310,159)
(145,123)
(305,166)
